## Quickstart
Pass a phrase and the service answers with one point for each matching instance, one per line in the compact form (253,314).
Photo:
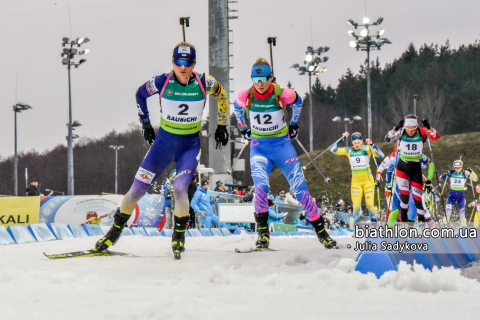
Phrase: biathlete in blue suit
(264,106)
(182,94)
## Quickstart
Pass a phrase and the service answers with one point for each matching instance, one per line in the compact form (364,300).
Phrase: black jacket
(32,191)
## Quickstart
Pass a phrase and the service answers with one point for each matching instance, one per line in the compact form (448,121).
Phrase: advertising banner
(148,212)
(19,210)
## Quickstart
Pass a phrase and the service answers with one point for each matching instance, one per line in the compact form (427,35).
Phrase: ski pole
(238,157)
(378,189)
(473,212)
(344,136)
(184,21)
(272,41)
(327,180)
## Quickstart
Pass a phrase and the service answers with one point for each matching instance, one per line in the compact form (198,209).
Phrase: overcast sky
(131,41)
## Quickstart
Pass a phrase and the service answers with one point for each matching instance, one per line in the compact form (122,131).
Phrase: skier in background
(383,166)
(409,170)
(264,106)
(362,178)
(182,94)
(458,178)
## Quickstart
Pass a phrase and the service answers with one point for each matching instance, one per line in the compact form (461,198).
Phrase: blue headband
(261,71)
(184,52)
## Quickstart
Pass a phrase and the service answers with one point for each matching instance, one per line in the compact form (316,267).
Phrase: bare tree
(433,106)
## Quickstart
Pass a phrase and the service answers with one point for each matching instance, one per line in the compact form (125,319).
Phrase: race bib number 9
(359,162)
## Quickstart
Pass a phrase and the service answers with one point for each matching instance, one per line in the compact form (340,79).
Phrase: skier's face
(410,130)
(458,169)
(357,144)
(263,87)
(182,72)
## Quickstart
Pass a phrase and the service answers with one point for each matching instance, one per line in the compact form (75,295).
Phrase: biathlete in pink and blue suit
(271,144)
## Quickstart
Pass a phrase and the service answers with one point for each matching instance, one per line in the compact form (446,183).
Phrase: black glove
(399,125)
(388,188)
(426,124)
(221,136)
(247,134)
(428,186)
(148,133)
(469,170)
(377,184)
(293,131)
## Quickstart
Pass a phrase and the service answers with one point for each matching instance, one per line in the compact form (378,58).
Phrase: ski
(87,253)
(254,250)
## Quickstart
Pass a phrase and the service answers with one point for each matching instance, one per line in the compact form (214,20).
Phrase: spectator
(280,197)
(271,197)
(300,221)
(32,190)
(220,186)
(273,215)
(192,187)
(249,195)
(341,206)
(241,192)
(202,205)
(290,199)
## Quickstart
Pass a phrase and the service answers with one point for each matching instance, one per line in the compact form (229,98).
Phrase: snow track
(300,281)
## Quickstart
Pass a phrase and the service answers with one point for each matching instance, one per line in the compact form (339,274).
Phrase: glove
(428,186)
(293,131)
(345,136)
(148,132)
(221,136)
(426,124)
(469,170)
(247,134)
(388,188)
(377,184)
(369,141)
(399,125)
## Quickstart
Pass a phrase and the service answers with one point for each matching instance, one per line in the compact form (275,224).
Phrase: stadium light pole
(68,54)
(312,67)
(347,121)
(365,42)
(116,148)
(17,108)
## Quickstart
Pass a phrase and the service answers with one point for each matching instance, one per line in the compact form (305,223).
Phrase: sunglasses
(181,62)
(356,137)
(260,79)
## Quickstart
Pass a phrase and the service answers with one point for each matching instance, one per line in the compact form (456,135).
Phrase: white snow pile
(301,280)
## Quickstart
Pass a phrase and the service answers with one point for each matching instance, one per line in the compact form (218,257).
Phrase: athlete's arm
(390,169)
(432,133)
(214,88)
(145,91)
(290,96)
(340,151)
(375,150)
(384,165)
(238,106)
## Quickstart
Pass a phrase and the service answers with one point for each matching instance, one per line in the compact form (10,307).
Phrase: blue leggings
(396,203)
(167,147)
(456,197)
(267,152)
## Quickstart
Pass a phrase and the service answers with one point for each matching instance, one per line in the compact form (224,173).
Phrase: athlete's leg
(449,206)
(416,181)
(369,190)
(261,166)
(356,193)
(403,183)
(392,218)
(155,162)
(412,210)
(186,164)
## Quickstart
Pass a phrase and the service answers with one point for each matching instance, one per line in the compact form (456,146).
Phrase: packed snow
(301,280)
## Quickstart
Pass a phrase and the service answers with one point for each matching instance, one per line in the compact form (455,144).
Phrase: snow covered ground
(300,281)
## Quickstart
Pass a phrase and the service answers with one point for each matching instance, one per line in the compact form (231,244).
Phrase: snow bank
(300,281)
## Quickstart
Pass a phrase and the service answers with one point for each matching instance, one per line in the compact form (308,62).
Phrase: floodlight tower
(68,54)
(312,67)
(365,42)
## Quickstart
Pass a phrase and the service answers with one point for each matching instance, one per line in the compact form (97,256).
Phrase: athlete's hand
(428,185)
(247,134)
(399,125)
(369,141)
(345,136)
(293,131)
(221,136)
(469,170)
(388,188)
(377,184)
(426,124)
(148,132)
